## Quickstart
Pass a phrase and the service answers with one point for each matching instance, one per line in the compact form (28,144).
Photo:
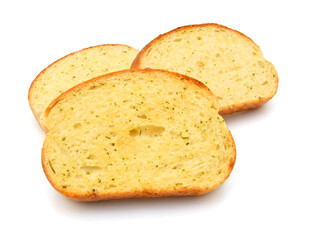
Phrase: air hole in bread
(147,131)
(91,169)
(218,55)
(200,64)
(148,51)
(212,106)
(178,40)
(264,83)
(260,63)
(51,166)
(198,38)
(143,116)
(93,87)
(77,125)
(91,157)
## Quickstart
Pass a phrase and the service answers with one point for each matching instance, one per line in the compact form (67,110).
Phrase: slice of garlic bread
(227,61)
(136,133)
(74,69)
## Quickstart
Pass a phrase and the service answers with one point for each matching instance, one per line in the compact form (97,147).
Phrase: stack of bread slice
(154,130)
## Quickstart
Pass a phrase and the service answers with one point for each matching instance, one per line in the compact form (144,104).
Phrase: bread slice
(227,61)
(136,133)
(74,69)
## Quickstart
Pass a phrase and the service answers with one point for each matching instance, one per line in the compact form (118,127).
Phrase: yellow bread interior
(74,69)
(136,133)
(229,63)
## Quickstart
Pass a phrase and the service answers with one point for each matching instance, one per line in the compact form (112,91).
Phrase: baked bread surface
(74,69)
(228,62)
(136,133)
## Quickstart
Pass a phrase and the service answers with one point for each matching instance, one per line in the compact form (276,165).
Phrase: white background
(267,194)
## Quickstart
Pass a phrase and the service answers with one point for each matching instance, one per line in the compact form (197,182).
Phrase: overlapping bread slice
(136,133)
(74,69)
(227,61)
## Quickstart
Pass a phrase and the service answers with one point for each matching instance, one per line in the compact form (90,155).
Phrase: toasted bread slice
(227,61)
(74,69)
(136,133)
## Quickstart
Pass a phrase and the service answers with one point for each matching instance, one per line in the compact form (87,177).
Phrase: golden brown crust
(225,110)
(139,194)
(137,60)
(95,196)
(243,106)
(61,96)
(36,114)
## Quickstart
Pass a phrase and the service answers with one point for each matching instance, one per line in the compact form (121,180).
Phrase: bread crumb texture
(136,133)
(228,62)
(76,68)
